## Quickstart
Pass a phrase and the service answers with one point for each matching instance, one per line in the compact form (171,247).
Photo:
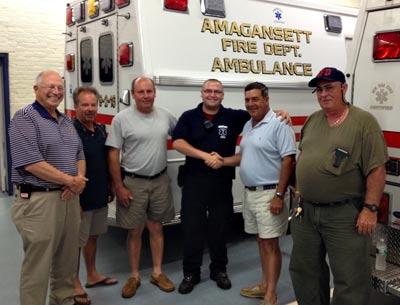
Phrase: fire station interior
(244,267)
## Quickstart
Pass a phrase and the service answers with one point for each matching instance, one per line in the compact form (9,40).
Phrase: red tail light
(69,20)
(121,3)
(383,211)
(125,54)
(387,46)
(70,62)
(177,5)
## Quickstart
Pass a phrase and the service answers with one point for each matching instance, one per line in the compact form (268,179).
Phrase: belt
(332,203)
(34,188)
(145,177)
(261,187)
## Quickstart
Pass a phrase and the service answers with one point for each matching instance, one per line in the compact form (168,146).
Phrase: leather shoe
(222,280)
(162,282)
(130,287)
(188,283)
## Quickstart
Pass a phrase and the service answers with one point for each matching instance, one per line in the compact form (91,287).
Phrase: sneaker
(188,283)
(130,287)
(253,292)
(162,282)
(222,280)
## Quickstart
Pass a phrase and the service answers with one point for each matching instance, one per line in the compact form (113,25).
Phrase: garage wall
(30,32)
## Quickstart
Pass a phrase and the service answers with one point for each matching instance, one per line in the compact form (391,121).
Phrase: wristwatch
(372,207)
(279,195)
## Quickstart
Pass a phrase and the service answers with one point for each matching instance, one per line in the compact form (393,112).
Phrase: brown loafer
(162,282)
(130,287)
(253,292)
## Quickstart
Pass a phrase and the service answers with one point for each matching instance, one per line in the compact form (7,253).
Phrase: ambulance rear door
(376,86)
(97,63)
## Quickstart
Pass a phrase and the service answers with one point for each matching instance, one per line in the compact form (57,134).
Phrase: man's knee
(135,233)
(155,227)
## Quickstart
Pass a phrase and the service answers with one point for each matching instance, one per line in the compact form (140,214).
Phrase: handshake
(214,160)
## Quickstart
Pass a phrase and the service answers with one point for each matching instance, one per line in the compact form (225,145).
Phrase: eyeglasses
(53,88)
(328,88)
(210,91)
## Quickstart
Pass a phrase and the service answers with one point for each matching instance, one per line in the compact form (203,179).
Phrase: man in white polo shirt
(267,156)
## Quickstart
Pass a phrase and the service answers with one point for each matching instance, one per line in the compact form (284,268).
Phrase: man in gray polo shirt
(139,134)
(48,168)
(267,152)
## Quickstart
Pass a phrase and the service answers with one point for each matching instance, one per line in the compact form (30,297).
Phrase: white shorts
(257,216)
(93,222)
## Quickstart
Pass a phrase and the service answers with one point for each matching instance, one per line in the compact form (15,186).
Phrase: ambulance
(181,43)
(374,76)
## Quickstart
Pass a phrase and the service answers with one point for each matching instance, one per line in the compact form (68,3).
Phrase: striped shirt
(36,136)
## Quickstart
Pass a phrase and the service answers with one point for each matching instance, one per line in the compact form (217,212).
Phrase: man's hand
(67,194)
(276,205)
(124,196)
(366,222)
(284,116)
(77,184)
(214,160)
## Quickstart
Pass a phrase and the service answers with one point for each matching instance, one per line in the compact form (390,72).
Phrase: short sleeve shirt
(142,139)
(262,149)
(221,137)
(318,177)
(97,189)
(36,136)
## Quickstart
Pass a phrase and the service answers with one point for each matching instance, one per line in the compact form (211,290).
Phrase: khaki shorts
(152,199)
(93,222)
(257,217)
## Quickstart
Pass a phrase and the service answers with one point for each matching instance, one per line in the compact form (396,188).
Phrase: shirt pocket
(338,161)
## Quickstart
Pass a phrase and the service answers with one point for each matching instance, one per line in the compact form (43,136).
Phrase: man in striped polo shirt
(48,169)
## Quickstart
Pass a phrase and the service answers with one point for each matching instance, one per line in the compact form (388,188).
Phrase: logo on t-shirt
(222,131)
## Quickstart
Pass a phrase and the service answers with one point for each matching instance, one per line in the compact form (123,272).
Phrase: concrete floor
(243,269)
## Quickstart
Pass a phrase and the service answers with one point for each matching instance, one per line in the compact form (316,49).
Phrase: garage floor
(243,269)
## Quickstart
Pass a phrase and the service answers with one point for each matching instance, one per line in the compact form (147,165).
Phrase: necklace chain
(341,118)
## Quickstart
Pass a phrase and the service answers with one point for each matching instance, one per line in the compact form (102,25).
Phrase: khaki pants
(49,228)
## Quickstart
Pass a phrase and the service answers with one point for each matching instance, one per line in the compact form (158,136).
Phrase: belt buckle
(259,188)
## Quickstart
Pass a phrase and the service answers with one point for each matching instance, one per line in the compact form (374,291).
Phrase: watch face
(371,207)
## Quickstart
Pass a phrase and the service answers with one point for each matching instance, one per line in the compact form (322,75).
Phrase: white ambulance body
(374,78)
(181,43)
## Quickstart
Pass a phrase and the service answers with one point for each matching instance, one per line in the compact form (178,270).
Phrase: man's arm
(67,193)
(287,166)
(47,172)
(124,195)
(213,160)
(366,221)
(232,160)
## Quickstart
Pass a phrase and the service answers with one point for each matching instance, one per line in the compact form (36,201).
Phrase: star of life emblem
(222,131)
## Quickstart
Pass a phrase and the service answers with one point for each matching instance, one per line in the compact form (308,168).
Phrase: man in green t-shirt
(340,177)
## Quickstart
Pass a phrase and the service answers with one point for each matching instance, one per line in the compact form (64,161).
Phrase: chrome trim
(164,80)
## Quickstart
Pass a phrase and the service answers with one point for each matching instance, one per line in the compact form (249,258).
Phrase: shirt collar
(80,126)
(267,118)
(43,111)
(220,110)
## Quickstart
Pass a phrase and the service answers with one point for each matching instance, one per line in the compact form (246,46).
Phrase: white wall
(30,31)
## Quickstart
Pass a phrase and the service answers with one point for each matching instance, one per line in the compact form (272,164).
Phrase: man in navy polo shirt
(95,197)
(48,168)
(205,135)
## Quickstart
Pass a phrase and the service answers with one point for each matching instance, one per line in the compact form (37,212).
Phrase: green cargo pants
(330,230)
